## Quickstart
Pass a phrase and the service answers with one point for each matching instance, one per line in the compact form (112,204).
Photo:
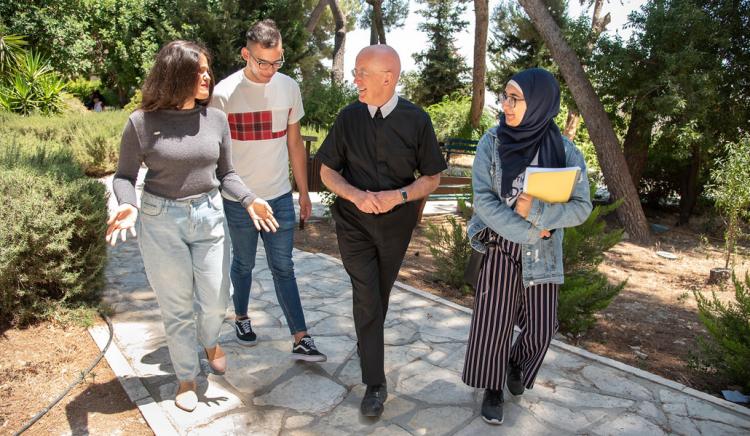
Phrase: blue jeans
(186,257)
(278,246)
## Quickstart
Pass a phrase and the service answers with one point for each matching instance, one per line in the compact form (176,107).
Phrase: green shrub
(83,88)
(323,101)
(134,102)
(586,290)
(731,191)
(52,252)
(32,86)
(450,118)
(451,249)
(92,140)
(729,326)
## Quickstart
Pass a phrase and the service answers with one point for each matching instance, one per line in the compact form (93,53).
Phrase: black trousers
(372,249)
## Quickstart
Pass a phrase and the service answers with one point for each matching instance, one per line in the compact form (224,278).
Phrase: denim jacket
(541,260)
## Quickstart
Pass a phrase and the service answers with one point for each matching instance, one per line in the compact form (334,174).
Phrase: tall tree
(442,70)
(337,65)
(678,78)
(381,16)
(340,23)
(481,18)
(600,128)
(598,24)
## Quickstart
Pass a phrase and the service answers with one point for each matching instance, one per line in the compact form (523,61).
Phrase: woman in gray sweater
(187,149)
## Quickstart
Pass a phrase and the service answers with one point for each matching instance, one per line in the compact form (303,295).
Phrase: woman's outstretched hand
(262,215)
(120,221)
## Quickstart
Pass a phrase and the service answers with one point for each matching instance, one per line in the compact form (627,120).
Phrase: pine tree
(442,70)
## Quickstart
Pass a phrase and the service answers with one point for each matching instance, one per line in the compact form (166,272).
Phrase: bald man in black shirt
(370,158)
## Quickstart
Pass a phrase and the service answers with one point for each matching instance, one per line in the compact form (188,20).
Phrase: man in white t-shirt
(264,108)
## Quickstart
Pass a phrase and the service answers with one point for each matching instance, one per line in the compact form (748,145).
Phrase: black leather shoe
(492,407)
(372,403)
(515,379)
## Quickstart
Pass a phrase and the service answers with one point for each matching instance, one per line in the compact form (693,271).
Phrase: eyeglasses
(265,65)
(512,100)
(361,74)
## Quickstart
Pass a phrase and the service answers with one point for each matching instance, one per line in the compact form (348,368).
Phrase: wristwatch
(404,197)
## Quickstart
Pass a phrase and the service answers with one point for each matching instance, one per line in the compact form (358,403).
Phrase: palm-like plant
(32,86)
(11,48)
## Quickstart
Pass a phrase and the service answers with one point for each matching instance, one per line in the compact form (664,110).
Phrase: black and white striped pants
(502,301)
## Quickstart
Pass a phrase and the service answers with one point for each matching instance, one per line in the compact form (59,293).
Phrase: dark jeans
(278,246)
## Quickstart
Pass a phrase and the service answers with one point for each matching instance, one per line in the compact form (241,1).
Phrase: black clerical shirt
(379,154)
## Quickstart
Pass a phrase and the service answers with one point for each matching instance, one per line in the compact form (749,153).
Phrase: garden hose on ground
(75,383)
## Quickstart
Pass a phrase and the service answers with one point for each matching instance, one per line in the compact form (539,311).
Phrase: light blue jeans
(186,256)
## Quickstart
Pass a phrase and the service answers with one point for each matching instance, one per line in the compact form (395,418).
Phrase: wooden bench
(458,146)
(450,188)
(314,184)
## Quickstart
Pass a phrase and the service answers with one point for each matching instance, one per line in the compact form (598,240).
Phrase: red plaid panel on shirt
(253,126)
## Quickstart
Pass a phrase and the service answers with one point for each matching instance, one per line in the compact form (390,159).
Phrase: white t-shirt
(259,114)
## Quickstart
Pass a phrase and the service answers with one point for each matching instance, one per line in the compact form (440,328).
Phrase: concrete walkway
(264,392)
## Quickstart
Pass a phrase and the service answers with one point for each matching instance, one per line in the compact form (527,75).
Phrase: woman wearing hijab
(521,237)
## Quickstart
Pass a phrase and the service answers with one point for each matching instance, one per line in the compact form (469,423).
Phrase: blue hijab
(537,131)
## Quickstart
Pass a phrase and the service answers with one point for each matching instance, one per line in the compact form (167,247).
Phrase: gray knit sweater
(187,152)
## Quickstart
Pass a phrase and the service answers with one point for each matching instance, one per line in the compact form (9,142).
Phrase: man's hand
(262,215)
(305,206)
(387,200)
(523,204)
(120,221)
(366,201)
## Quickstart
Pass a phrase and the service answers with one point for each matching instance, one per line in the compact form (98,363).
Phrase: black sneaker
(245,334)
(306,350)
(372,402)
(515,379)
(492,407)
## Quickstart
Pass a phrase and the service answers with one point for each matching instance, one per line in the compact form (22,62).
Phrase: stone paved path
(264,392)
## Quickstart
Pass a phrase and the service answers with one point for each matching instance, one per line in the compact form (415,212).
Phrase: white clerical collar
(386,109)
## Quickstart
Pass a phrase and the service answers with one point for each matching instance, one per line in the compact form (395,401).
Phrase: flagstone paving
(265,392)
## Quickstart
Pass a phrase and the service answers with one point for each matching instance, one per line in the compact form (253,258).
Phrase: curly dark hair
(174,76)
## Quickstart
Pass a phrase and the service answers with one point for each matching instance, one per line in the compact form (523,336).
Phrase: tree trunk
(481,15)
(571,124)
(689,188)
(637,142)
(337,66)
(598,24)
(317,12)
(611,159)
(377,29)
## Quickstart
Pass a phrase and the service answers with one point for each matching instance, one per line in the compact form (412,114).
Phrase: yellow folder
(553,185)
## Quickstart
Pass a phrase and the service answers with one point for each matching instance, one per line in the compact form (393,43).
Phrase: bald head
(383,56)
(377,70)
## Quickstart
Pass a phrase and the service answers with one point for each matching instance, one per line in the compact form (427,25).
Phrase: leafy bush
(134,102)
(83,88)
(32,86)
(52,253)
(586,290)
(731,191)
(323,101)
(450,118)
(451,249)
(729,326)
(92,140)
